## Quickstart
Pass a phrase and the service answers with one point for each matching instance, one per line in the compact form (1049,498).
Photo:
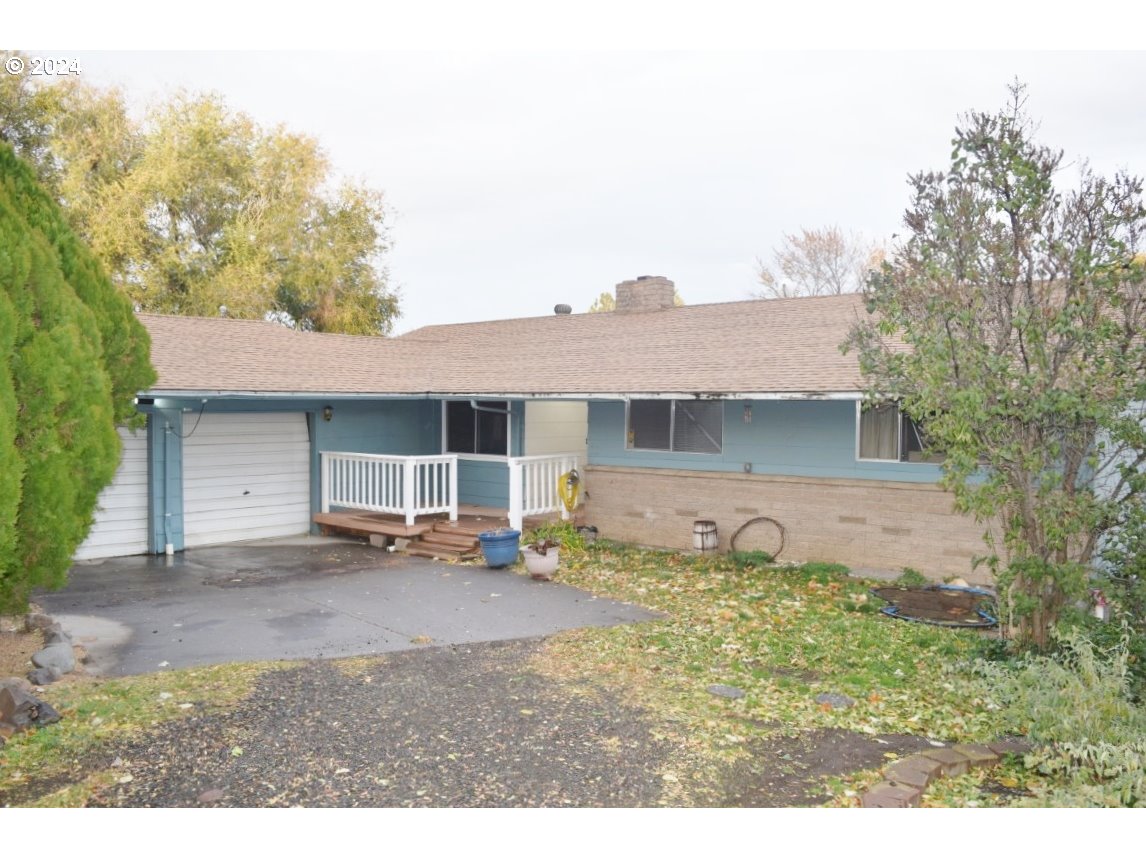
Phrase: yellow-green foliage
(61,388)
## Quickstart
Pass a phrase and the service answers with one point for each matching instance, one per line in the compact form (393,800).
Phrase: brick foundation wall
(861,523)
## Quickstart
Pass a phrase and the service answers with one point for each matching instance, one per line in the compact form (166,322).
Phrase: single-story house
(721,412)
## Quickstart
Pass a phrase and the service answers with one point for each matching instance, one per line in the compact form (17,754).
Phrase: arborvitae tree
(72,357)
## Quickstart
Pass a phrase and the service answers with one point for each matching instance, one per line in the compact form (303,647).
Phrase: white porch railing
(404,485)
(533,485)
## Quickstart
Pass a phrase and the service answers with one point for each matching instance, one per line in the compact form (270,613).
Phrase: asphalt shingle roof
(780,346)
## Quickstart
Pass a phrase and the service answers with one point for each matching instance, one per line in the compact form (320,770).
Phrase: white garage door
(245,476)
(121,515)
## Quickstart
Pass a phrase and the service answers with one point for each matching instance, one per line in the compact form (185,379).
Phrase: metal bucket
(704,535)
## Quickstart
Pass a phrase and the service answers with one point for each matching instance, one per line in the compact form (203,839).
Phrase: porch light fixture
(327,413)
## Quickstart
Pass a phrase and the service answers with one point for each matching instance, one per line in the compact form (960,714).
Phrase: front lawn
(784,635)
(733,678)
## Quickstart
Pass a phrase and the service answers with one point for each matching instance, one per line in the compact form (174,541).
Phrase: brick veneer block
(954,763)
(1010,747)
(915,771)
(979,755)
(887,795)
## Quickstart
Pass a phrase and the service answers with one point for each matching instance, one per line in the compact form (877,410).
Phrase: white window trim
(898,436)
(672,429)
(477,457)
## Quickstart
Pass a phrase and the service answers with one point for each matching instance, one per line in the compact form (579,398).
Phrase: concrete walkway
(312,597)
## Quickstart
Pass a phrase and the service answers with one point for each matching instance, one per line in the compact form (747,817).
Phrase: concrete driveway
(306,598)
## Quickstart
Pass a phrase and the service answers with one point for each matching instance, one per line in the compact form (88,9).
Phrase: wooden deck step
(364,524)
(448,538)
(470,526)
(442,553)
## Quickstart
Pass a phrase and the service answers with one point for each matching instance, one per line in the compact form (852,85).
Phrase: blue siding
(399,427)
(483,482)
(396,427)
(803,438)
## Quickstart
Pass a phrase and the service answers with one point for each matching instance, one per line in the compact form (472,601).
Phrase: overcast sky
(518,180)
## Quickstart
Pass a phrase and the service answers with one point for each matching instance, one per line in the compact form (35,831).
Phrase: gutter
(158,395)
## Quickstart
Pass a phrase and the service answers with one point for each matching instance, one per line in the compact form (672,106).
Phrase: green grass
(97,713)
(783,634)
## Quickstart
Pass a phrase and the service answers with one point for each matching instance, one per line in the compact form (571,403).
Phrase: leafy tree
(72,357)
(27,116)
(818,262)
(196,207)
(1021,305)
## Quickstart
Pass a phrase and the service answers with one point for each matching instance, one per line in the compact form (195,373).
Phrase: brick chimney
(647,292)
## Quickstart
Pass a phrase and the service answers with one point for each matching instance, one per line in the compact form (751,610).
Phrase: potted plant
(541,558)
(499,547)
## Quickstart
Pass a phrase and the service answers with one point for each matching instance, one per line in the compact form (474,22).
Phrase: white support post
(409,479)
(453,466)
(515,499)
(324,480)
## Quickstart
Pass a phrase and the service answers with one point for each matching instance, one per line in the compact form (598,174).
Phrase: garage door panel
(246,476)
(120,526)
(236,468)
(234,486)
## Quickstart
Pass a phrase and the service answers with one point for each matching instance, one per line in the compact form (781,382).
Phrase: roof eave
(161,393)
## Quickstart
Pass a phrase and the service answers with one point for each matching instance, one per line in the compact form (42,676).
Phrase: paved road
(314,598)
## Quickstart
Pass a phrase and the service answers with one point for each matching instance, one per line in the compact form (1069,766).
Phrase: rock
(213,795)
(18,684)
(44,676)
(23,711)
(835,700)
(48,715)
(722,691)
(81,653)
(55,656)
(34,621)
(56,636)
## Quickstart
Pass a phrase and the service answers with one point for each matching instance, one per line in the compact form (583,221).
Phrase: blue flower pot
(500,547)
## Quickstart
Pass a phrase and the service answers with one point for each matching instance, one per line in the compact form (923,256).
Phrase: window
(885,433)
(680,426)
(470,430)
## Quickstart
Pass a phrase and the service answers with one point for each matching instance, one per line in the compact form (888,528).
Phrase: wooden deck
(471,522)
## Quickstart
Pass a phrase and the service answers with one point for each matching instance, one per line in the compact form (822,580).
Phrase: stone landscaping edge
(20,709)
(906,780)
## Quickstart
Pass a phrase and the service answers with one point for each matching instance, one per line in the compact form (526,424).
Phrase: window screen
(697,426)
(681,426)
(650,424)
(470,430)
